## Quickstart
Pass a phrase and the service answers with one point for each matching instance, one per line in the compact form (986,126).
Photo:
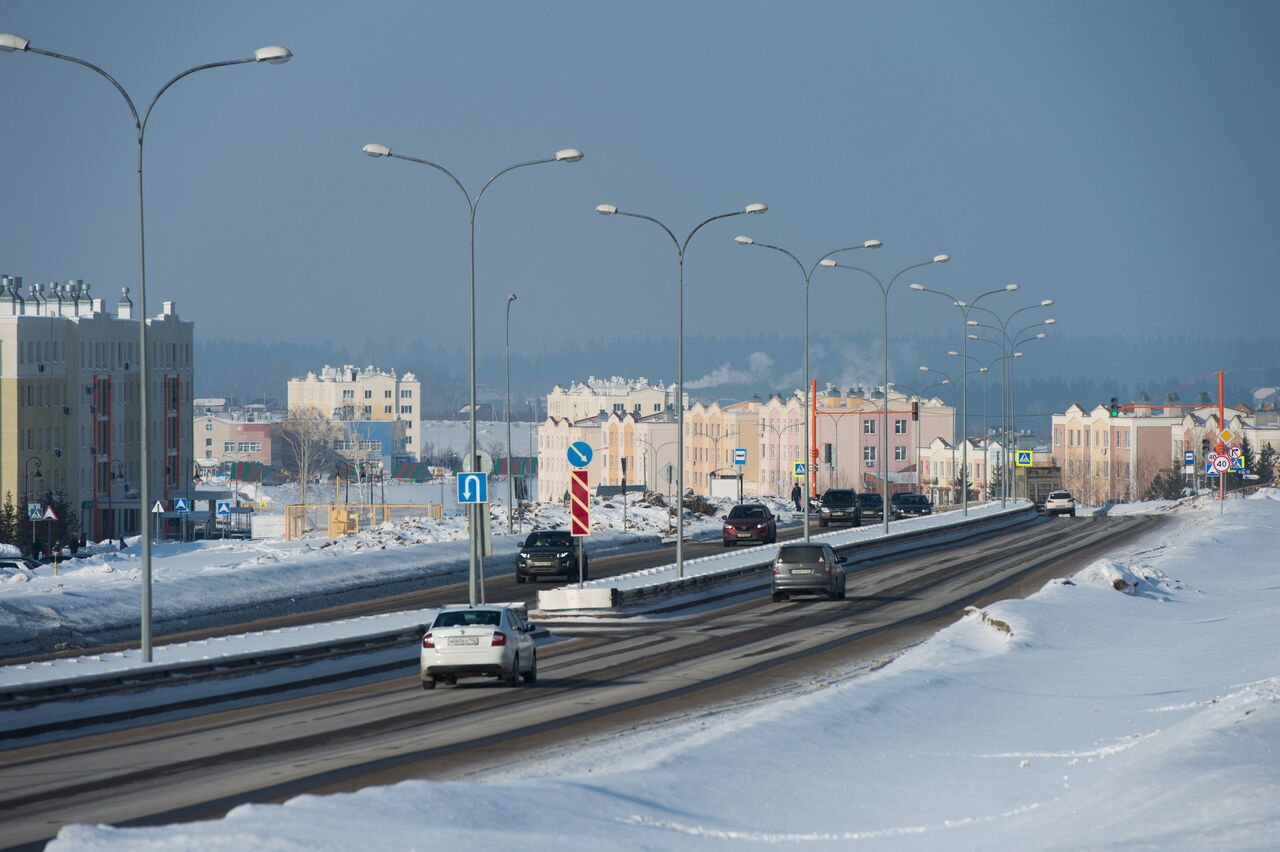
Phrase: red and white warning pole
(579,512)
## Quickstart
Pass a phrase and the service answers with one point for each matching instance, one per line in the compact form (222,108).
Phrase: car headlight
(824,510)
(759,526)
(564,555)
(522,555)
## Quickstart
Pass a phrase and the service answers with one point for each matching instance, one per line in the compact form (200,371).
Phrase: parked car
(807,569)
(871,505)
(478,641)
(18,563)
(550,553)
(1060,503)
(748,522)
(839,506)
(909,505)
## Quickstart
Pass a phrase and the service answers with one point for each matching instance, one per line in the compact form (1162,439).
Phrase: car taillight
(775,570)
(499,638)
(428,642)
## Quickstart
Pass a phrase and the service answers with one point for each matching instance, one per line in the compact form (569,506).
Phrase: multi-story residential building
(647,443)
(69,402)
(231,439)
(377,441)
(712,434)
(365,393)
(613,396)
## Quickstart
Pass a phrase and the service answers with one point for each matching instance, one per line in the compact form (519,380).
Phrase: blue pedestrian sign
(1024,458)
(182,505)
(33,512)
(473,488)
(1189,458)
(579,454)
(740,455)
(1208,469)
(798,469)
(224,507)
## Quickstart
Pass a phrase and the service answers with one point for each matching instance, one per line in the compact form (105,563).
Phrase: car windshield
(549,538)
(837,498)
(912,499)
(748,513)
(866,499)
(468,618)
(801,553)
(1060,495)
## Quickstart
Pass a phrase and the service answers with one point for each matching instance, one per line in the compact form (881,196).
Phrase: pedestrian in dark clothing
(74,546)
(795,495)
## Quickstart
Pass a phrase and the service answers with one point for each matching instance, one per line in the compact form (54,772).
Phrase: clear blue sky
(1117,157)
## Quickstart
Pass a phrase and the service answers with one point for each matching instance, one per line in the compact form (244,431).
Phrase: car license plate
(795,571)
(464,640)
(744,533)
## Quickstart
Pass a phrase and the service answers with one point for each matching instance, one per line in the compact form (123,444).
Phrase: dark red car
(750,522)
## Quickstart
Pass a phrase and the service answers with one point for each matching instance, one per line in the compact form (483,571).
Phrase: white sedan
(478,641)
(1060,503)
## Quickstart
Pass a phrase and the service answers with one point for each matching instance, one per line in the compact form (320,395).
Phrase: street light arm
(708,222)
(883,290)
(982,296)
(480,194)
(903,272)
(679,248)
(142,128)
(807,274)
(112,80)
(470,204)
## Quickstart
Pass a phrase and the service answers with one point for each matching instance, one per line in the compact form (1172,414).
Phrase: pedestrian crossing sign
(1024,458)
(798,469)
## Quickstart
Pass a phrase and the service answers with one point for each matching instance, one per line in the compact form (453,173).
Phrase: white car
(1060,503)
(478,641)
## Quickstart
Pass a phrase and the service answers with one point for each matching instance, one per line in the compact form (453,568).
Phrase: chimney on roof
(124,307)
(10,297)
(168,309)
(1204,399)
(84,304)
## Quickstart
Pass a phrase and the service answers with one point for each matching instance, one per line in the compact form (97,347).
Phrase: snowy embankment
(1095,714)
(96,599)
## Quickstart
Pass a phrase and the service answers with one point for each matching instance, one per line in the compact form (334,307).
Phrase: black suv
(553,552)
(909,505)
(839,506)
(872,505)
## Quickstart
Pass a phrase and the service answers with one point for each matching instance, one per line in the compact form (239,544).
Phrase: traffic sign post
(740,455)
(798,469)
(1222,464)
(1189,459)
(34,513)
(579,454)
(473,487)
(223,507)
(579,514)
(1024,458)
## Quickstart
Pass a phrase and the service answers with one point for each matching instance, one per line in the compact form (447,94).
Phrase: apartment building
(647,443)
(712,433)
(69,402)
(218,439)
(364,394)
(613,396)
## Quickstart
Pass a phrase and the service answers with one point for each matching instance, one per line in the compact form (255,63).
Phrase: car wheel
(777,597)
(513,677)
(429,683)
(531,676)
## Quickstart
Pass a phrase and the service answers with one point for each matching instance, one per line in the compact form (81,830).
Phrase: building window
(899,453)
(208,426)
(386,394)
(386,409)
(367,410)
(404,394)
(406,409)
(229,447)
(348,394)
(899,427)
(868,427)
(208,442)
(619,407)
(869,454)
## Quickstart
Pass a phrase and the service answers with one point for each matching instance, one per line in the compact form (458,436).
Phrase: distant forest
(1051,375)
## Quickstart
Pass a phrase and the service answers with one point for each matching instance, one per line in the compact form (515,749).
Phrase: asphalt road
(595,684)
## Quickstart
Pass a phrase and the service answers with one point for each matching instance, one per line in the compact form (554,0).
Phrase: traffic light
(1115,407)
(915,411)
(826,453)
(1204,448)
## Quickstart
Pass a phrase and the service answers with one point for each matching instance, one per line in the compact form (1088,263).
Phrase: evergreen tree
(8,520)
(1266,469)
(996,483)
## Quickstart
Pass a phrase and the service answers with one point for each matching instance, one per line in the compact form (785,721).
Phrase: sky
(1118,158)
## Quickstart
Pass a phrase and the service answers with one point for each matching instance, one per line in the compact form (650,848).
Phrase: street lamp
(612,210)
(807,272)
(884,426)
(565,155)
(511,297)
(112,476)
(272,55)
(27,477)
(965,308)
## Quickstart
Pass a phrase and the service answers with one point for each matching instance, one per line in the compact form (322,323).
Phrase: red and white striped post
(580,512)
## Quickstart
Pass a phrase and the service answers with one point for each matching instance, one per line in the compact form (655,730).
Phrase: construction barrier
(339,519)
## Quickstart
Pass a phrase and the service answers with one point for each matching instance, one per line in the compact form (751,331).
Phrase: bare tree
(308,441)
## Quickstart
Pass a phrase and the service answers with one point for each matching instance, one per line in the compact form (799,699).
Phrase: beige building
(364,393)
(612,396)
(712,433)
(647,443)
(69,402)
(220,439)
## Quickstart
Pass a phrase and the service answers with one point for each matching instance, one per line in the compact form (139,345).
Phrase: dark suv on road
(839,506)
(750,522)
(550,552)
(909,505)
(872,505)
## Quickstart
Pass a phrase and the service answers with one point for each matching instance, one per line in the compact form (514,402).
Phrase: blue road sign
(1208,469)
(33,512)
(182,505)
(740,455)
(224,507)
(1189,458)
(579,454)
(797,469)
(473,488)
(1024,458)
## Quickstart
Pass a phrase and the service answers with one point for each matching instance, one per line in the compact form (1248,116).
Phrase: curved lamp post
(565,155)
(612,210)
(511,297)
(807,272)
(27,477)
(884,425)
(272,55)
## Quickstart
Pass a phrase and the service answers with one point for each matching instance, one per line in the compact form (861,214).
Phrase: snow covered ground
(1137,704)
(205,582)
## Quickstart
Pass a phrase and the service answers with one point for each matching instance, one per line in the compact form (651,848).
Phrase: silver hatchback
(808,569)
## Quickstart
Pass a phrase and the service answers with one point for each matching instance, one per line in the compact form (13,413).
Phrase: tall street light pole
(807,272)
(612,210)
(511,519)
(565,155)
(274,55)
(884,407)
(965,308)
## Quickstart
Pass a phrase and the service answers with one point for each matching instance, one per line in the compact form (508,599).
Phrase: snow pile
(1099,721)
(1117,575)
(9,550)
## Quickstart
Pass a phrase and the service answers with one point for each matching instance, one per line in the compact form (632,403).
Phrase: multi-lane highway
(598,682)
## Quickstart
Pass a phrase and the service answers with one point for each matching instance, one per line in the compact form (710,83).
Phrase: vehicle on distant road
(872,506)
(16,563)
(748,522)
(839,506)
(909,505)
(1060,503)
(550,553)
(812,569)
(478,641)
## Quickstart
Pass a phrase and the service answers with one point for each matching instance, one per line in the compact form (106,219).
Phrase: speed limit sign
(1221,464)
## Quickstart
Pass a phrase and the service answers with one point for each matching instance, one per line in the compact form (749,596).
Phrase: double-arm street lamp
(965,308)
(274,55)
(807,272)
(566,155)
(884,425)
(612,210)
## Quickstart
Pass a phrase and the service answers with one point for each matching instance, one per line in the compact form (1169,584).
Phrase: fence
(339,519)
